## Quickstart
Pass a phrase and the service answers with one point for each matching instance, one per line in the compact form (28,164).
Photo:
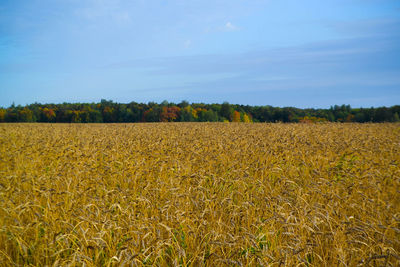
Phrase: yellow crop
(200,194)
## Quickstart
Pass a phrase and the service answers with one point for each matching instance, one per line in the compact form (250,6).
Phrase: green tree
(26,115)
(152,115)
(207,115)
(186,114)
(226,111)
(395,117)
(359,117)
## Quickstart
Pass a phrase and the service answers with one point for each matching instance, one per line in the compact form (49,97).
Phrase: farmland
(200,194)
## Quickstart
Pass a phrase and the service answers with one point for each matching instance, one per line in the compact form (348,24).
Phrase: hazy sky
(308,53)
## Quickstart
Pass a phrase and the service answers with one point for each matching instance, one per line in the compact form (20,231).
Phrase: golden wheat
(200,194)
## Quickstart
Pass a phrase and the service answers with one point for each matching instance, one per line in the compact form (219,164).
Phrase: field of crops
(200,194)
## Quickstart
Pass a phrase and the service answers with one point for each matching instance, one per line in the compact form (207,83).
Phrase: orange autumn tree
(236,116)
(49,114)
(170,113)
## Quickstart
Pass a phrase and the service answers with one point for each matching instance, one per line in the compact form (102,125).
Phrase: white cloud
(227,27)
(230,27)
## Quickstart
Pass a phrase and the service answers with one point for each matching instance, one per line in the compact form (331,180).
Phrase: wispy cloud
(327,71)
(229,27)
(246,49)
(331,56)
(226,27)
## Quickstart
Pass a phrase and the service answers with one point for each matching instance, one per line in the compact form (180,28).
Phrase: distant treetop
(109,111)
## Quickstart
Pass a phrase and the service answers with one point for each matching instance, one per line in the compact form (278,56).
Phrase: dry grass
(200,194)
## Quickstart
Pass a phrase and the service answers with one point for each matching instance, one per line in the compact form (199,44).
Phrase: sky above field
(309,53)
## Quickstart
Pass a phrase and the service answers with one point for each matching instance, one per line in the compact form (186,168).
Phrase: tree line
(109,111)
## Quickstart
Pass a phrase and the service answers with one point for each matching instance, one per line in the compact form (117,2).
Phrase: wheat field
(200,194)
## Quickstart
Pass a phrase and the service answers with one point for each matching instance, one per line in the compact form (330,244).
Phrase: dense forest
(109,111)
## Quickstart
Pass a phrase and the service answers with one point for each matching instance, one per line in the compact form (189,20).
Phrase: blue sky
(309,53)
